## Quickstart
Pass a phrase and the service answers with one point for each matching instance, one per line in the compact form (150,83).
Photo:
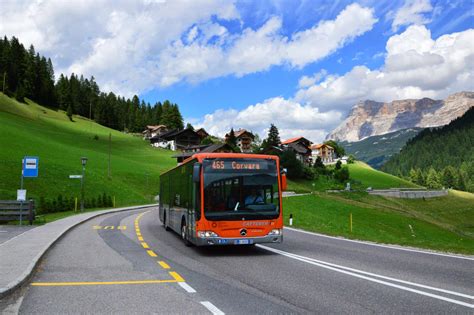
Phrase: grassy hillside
(369,177)
(445,223)
(362,176)
(439,223)
(30,129)
(377,150)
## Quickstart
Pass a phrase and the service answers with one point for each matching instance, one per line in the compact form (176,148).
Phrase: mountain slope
(370,118)
(451,145)
(377,150)
(30,129)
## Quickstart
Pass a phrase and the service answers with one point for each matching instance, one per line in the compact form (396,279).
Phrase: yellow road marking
(96,227)
(145,245)
(151,253)
(140,239)
(139,234)
(164,265)
(122,227)
(53,284)
(176,276)
(109,227)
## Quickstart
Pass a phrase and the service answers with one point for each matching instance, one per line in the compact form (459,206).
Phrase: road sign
(30,166)
(21,195)
(75,176)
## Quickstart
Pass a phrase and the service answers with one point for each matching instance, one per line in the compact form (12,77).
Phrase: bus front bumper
(239,241)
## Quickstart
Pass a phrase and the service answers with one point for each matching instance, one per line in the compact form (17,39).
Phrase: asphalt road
(94,269)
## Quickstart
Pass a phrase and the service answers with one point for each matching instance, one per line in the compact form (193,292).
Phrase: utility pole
(4,76)
(83,161)
(110,147)
(90,116)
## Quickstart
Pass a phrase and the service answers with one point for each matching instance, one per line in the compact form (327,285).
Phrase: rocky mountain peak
(370,118)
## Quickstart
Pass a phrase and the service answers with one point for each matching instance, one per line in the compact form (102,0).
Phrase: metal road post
(21,187)
(83,162)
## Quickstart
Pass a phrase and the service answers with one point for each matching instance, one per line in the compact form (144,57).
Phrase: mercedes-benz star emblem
(243,232)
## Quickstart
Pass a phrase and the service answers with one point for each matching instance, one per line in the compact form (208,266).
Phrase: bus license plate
(242,242)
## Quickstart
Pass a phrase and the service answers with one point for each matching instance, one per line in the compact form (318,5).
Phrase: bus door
(192,207)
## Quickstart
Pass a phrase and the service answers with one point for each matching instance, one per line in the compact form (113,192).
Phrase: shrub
(342,174)
(289,161)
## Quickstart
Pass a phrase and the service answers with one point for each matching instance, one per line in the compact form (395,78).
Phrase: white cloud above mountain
(416,66)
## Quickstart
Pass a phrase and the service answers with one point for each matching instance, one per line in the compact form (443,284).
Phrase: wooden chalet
(326,152)
(300,146)
(176,139)
(153,131)
(244,140)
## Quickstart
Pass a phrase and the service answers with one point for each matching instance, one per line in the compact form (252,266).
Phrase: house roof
(296,139)
(172,134)
(153,128)
(319,146)
(202,130)
(209,149)
(239,133)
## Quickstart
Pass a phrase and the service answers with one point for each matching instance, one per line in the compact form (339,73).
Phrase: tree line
(439,157)
(24,73)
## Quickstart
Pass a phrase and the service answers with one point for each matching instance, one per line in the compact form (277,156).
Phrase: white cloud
(134,46)
(258,50)
(116,41)
(412,12)
(307,81)
(290,117)
(415,66)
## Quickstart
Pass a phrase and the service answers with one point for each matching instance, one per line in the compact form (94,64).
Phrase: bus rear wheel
(184,233)
(165,224)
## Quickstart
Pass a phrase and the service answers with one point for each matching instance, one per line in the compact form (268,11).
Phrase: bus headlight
(206,234)
(275,232)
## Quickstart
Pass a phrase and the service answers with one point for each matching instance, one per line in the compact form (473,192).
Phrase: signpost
(29,168)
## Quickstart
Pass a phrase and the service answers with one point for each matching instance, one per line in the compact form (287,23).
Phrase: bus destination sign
(238,165)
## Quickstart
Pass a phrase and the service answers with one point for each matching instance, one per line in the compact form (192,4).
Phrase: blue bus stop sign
(30,166)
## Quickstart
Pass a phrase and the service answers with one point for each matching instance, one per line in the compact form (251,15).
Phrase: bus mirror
(196,172)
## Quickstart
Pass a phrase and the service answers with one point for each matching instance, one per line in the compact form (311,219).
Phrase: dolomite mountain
(370,118)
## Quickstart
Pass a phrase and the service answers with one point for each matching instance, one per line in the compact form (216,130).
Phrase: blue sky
(301,65)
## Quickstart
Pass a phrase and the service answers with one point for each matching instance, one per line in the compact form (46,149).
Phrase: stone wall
(409,194)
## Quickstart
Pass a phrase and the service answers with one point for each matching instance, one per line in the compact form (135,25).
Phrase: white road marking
(340,269)
(380,245)
(187,287)
(212,308)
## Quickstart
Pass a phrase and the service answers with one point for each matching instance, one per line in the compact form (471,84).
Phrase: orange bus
(223,199)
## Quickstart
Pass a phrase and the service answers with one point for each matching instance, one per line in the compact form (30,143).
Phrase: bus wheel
(165,224)
(184,233)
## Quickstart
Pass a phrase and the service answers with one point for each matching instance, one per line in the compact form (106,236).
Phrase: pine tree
(449,179)
(273,139)
(432,179)
(231,139)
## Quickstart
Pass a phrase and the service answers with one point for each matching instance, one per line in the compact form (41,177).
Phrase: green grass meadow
(30,129)
(326,214)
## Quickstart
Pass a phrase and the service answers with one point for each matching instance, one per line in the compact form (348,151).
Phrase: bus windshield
(240,189)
